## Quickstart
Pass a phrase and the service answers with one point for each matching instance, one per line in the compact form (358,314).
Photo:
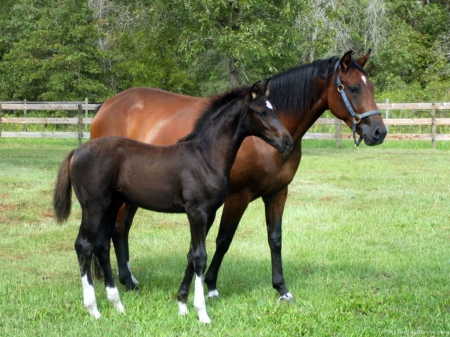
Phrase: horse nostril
(287,143)
(377,133)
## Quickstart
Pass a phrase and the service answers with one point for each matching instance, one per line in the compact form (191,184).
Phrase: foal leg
(102,251)
(85,248)
(274,206)
(233,210)
(199,223)
(120,240)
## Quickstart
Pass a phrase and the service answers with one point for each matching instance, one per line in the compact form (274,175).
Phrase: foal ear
(265,86)
(363,59)
(256,89)
(345,60)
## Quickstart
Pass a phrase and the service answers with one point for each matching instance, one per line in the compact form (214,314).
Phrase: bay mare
(301,95)
(189,177)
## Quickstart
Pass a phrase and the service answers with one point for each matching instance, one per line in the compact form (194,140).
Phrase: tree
(244,32)
(57,59)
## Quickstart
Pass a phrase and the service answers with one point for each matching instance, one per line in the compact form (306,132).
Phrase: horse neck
(222,140)
(299,123)
(300,95)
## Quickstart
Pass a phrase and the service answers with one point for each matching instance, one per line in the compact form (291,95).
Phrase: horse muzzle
(373,135)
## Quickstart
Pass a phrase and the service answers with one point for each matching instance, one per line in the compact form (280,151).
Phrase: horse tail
(62,196)
(97,108)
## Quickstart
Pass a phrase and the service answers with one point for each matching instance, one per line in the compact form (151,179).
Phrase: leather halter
(356,117)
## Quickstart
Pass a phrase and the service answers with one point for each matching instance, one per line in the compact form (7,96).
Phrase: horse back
(149,115)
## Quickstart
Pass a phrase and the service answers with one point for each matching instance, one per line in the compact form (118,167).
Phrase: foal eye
(262,113)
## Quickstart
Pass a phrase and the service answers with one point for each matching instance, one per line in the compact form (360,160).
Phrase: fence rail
(81,121)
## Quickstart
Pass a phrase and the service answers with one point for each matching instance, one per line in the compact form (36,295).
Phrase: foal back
(156,178)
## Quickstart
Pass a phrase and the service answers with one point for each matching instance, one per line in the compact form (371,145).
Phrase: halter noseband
(356,117)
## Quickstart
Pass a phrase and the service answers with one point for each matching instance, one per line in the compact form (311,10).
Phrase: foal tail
(62,196)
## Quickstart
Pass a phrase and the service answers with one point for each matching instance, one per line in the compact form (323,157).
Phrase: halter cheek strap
(356,117)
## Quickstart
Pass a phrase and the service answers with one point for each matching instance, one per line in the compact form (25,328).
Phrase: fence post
(337,132)
(86,113)
(80,126)
(433,126)
(387,114)
(24,115)
(1,116)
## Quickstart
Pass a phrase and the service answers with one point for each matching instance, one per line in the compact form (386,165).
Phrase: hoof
(213,294)
(182,309)
(203,317)
(131,287)
(286,298)
(94,312)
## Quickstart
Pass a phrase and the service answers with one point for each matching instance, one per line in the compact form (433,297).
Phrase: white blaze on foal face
(268,105)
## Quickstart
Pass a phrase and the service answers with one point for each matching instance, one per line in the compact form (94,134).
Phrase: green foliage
(74,49)
(57,60)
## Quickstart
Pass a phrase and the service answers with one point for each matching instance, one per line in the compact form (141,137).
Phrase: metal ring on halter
(356,117)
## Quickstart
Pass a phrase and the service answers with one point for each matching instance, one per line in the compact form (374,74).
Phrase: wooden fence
(82,121)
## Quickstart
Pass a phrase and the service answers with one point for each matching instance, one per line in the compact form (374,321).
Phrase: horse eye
(262,113)
(354,90)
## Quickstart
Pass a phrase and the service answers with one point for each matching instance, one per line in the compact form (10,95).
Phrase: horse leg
(199,223)
(233,210)
(120,240)
(183,291)
(274,206)
(85,248)
(102,252)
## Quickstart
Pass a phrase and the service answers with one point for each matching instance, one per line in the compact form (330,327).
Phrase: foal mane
(214,111)
(293,91)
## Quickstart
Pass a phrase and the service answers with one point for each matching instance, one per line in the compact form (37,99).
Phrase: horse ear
(363,59)
(345,60)
(265,86)
(256,89)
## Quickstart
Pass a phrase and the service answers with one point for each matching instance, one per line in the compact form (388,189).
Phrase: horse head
(350,98)
(262,121)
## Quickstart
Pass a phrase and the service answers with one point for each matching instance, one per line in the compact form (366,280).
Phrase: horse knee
(102,250)
(275,242)
(199,261)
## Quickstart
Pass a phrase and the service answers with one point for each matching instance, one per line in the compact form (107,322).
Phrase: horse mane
(292,91)
(214,110)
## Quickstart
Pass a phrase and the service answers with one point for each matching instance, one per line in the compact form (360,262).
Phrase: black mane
(291,90)
(214,110)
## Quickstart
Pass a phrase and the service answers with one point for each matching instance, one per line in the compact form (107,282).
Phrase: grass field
(365,245)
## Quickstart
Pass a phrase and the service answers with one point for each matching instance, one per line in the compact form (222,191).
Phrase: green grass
(365,247)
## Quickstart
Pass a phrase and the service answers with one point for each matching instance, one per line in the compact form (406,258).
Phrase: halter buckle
(340,87)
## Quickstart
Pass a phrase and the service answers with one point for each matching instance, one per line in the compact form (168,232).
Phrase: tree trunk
(234,73)
(233,24)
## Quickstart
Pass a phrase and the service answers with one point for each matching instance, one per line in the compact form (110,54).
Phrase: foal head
(261,120)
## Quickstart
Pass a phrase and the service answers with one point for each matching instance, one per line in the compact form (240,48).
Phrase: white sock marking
(213,293)
(286,297)
(182,308)
(89,300)
(114,298)
(199,301)
(132,277)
